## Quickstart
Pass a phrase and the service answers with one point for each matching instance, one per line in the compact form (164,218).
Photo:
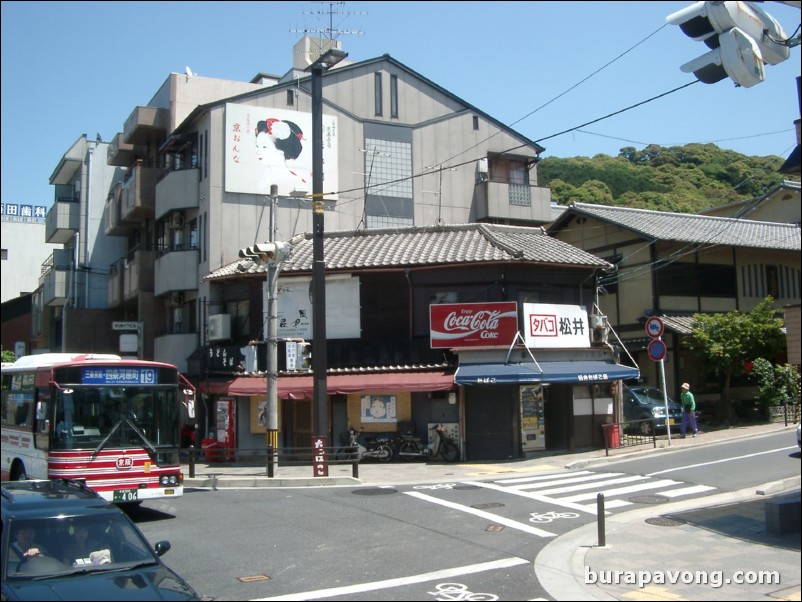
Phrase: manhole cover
(466,487)
(488,505)
(374,491)
(662,521)
(648,499)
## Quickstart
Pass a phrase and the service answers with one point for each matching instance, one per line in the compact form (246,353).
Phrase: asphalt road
(450,540)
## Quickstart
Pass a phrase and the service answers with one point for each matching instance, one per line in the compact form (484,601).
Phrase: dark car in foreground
(61,541)
(648,406)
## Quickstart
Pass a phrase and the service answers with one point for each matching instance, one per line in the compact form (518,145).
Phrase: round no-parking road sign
(654,327)
(657,350)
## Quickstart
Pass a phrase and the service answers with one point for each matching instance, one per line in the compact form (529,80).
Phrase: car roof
(47,498)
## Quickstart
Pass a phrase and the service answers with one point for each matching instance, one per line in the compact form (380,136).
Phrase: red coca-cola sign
(473,324)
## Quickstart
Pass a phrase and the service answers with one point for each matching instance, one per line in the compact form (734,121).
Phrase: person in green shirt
(688,411)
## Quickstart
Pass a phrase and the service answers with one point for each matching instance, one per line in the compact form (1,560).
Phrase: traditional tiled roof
(424,246)
(690,228)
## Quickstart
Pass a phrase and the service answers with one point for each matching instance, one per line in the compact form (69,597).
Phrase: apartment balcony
(503,202)
(55,277)
(146,124)
(121,154)
(63,220)
(138,194)
(113,223)
(137,276)
(177,270)
(177,190)
(114,293)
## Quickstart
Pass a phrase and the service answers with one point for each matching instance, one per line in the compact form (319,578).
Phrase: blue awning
(587,371)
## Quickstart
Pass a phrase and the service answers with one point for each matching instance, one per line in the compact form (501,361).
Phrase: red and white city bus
(111,422)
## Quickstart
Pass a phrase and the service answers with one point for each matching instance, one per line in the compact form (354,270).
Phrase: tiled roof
(425,246)
(691,228)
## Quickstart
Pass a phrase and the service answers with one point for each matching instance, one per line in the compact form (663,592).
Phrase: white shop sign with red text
(548,326)
(473,324)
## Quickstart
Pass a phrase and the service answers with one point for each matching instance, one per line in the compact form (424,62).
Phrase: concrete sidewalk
(712,548)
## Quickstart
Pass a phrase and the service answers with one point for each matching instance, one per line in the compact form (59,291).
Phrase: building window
(393,96)
(290,98)
(475,122)
(388,164)
(515,173)
(377,92)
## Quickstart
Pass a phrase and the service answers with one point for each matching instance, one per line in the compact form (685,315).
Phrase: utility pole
(271,411)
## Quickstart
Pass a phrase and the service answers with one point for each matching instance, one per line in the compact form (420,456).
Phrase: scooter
(411,446)
(370,447)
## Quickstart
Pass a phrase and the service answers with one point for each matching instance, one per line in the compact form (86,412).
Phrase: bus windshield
(96,417)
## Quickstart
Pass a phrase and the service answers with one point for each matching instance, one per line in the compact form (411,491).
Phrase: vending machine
(533,426)
(226,421)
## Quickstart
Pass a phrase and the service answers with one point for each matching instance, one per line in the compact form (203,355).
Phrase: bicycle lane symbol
(458,591)
(547,517)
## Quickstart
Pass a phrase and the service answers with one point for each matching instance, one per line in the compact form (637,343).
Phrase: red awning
(300,387)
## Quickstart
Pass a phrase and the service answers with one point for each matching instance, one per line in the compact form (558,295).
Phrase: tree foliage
(725,341)
(7,354)
(776,385)
(684,179)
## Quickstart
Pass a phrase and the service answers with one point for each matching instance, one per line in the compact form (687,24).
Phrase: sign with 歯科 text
(473,324)
(549,326)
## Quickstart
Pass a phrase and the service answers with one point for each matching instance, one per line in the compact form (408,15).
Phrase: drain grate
(466,487)
(374,491)
(488,505)
(664,521)
(648,499)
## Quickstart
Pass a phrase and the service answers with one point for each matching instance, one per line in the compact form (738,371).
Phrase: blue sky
(70,68)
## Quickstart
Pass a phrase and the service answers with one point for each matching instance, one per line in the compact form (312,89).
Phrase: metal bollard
(191,460)
(355,463)
(600,519)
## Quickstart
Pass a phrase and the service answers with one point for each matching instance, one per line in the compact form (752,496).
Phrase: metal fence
(270,457)
(628,434)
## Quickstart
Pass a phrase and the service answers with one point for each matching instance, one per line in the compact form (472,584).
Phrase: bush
(777,385)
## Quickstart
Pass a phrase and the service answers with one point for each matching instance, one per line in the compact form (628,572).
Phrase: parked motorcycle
(411,446)
(377,447)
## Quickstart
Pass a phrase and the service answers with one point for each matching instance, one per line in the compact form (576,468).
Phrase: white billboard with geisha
(266,146)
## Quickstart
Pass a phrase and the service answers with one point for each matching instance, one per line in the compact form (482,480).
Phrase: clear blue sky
(70,68)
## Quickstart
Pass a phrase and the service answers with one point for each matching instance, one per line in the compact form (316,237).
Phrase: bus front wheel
(18,472)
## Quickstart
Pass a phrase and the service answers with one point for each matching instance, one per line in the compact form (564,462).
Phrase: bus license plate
(125,495)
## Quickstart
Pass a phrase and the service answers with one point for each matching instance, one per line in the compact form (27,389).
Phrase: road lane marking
(771,451)
(402,581)
(481,513)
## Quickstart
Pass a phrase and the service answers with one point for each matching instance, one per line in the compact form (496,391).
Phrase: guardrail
(628,434)
(270,457)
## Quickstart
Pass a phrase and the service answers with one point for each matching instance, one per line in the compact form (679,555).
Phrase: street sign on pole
(654,327)
(657,349)
(125,325)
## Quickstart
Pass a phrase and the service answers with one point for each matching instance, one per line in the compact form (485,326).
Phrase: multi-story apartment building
(399,152)
(71,298)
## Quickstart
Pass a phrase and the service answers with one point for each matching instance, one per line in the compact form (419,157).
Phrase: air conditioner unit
(219,327)
(175,299)
(177,220)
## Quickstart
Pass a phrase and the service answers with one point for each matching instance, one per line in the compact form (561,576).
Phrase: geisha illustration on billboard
(266,146)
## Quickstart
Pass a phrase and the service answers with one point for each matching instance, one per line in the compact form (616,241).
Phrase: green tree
(725,341)
(776,385)
(7,355)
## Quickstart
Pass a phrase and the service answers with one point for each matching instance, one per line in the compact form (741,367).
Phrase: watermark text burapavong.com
(714,579)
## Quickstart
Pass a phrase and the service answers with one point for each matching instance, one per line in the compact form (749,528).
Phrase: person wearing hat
(688,411)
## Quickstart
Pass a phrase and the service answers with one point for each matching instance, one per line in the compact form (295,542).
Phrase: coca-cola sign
(473,324)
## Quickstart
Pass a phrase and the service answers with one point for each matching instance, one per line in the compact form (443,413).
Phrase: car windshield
(42,548)
(650,395)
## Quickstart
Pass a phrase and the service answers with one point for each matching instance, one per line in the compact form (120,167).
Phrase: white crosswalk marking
(687,491)
(583,486)
(574,489)
(622,490)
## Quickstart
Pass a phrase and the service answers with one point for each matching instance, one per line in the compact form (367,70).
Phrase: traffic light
(742,36)
(266,252)
(304,355)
